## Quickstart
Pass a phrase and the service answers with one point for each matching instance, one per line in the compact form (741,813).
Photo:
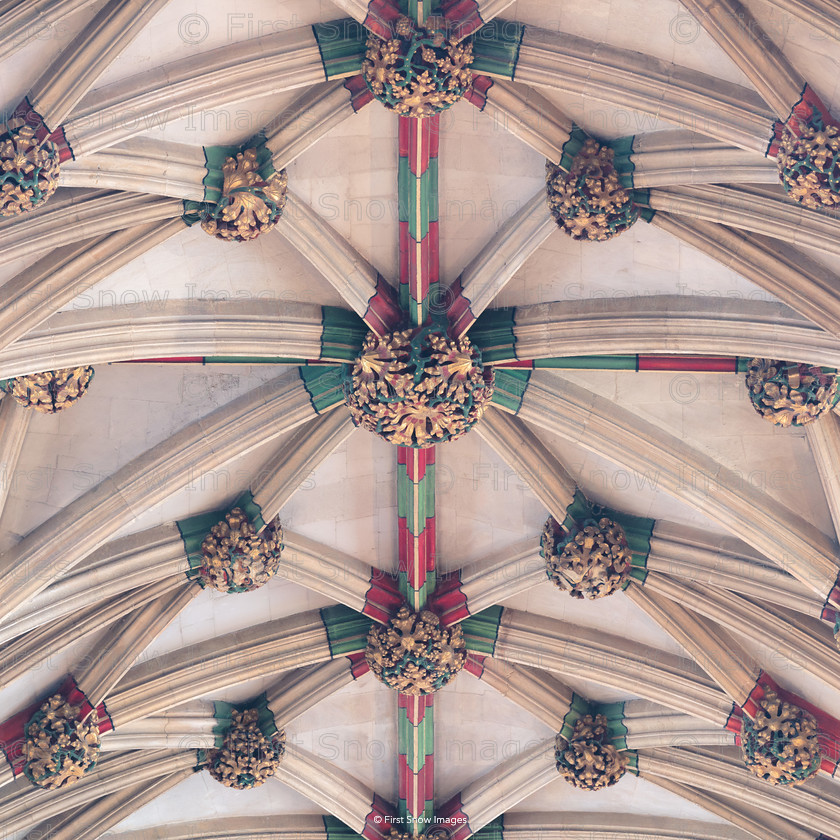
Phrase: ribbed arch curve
(815,805)
(234,429)
(641,325)
(685,472)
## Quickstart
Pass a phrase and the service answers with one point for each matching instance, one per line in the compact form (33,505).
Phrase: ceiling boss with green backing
(29,170)
(60,746)
(414,653)
(235,558)
(420,71)
(418,387)
(791,394)
(809,161)
(589,201)
(588,760)
(590,560)
(247,757)
(781,745)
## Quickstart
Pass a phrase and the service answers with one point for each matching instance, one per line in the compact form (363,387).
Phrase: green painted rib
(496,48)
(494,333)
(482,630)
(404,177)
(223,712)
(494,830)
(510,389)
(347,630)
(342,46)
(637,529)
(194,529)
(430,187)
(335,829)
(589,363)
(623,160)
(253,360)
(214,159)
(194,212)
(426,500)
(252,508)
(580,706)
(641,198)
(614,713)
(406,735)
(342,335)
(572,146)
(325,386)
(407,185)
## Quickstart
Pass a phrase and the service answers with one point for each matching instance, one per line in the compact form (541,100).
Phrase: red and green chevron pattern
(416,511)
(415,728)
(418,206)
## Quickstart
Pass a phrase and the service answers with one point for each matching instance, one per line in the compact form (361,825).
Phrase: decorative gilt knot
(588,760)
(29,170)
(590,561)
(589,202)
(418,387)
(781,745)
(59,748)
(809,163)
(247,758)
(414,654)
(51,391)
(235,558)
(249,205)
(789,393)
(421,71)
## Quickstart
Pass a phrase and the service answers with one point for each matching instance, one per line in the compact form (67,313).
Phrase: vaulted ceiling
(620,371)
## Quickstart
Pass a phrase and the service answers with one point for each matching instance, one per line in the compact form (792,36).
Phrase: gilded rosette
(420,71)
(51,391)
(250,203)
(418,387)
(788,393)
(590,561)
(588,760)
(589,202)
(414,654)
(247,758)
(59,748)
(809,164)
(781,745)
(237,559)
(28,169)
